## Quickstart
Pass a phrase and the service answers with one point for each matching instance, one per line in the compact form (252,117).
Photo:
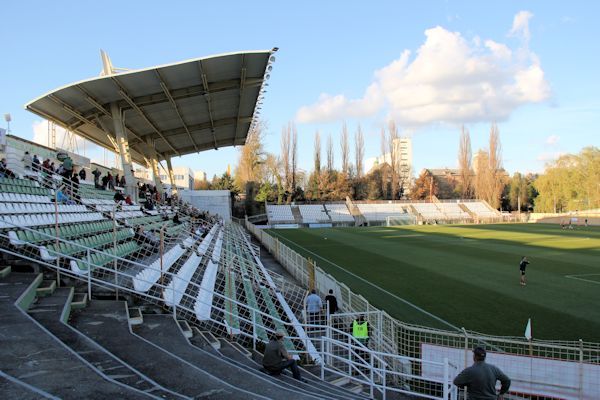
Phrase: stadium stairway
(53,312)
(164,366)
(297,215)
(163,331)
(35,364)
(251,361)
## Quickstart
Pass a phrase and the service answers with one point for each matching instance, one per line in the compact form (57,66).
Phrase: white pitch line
(578,277)
(375,286)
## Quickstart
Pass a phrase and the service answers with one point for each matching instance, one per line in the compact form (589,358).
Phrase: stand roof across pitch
(168,110)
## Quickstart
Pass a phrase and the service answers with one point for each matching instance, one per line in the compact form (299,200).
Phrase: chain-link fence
(538,369)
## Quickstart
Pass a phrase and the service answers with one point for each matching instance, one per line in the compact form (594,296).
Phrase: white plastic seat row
(9,221)
(92,201)
(176,288)
(280,213)
(204,299)
(313,213)
(339,212)
(147,277)
(111,207)
(30,208)
(23,198)
(128,214)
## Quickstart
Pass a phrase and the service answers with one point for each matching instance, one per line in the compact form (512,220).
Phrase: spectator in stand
(46,165)
(27,160)
(118,197)
(313,307)
(96,174)
(276,358)
(331,302)
(36,163)
(105,182)
(480,378)
(82,174)
(75,187)
(52,167)
(117,180)
(63,198)
(176,219)
(67,165)
(149,204)
(4,171)
(111,181)
(146,238)
(128,200)
(122,182)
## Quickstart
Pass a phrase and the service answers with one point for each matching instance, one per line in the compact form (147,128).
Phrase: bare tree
(464,162)
(285,157)
(482,166)
(294,156)
(359,151)
(383,157)
(393,148)
(495,169)
(249,167)
(330,159)
(345,149)
(317,151)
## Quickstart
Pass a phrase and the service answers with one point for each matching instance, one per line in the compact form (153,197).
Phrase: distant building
(184,178)
(403,155)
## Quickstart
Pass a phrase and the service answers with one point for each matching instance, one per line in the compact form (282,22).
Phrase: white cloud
(40,133)
(520,26)
(552,140)
(448,79)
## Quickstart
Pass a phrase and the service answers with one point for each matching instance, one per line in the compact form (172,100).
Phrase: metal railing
(117,274)
(560,369)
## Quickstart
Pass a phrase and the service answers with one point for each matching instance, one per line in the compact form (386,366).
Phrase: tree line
(570,183)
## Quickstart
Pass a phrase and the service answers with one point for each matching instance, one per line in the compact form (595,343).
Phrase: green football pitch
(452,276)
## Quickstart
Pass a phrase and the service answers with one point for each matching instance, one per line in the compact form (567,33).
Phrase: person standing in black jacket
(331,302)
(480,378)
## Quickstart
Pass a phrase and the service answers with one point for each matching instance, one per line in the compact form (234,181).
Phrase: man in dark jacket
(480,378)
(276,357)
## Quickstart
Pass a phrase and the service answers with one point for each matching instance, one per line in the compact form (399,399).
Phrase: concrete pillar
(156,174)
(123,144)
(171,176)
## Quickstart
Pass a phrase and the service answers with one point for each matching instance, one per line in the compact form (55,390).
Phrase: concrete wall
(213,201)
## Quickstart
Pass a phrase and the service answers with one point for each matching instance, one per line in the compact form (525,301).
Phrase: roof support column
(156,174)
(171,176)
(123,145)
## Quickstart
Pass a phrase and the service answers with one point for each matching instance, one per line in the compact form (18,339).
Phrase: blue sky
(431,66)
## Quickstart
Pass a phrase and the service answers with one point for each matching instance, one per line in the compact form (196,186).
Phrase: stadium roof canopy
(168,110)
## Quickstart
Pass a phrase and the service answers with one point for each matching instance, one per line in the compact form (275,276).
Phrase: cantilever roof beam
(142,114)
(106,113)
(165,89)
(242,86)
(208,101)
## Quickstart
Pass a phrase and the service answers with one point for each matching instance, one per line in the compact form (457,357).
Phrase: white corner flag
(528,335)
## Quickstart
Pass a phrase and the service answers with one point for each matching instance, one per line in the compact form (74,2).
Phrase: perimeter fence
(539,369)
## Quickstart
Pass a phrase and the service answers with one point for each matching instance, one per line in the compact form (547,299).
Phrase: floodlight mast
(120,133)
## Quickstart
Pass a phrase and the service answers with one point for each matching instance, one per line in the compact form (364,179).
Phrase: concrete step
(185,328)
(164,332)
(107,323)
(36,357)
(5,271)
(46,288)
(49,310)
(79,301)
(135,316)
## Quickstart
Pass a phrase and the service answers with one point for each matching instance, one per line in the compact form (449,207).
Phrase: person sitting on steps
(276,358)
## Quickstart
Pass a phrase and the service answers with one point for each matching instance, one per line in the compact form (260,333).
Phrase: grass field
(468,275)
